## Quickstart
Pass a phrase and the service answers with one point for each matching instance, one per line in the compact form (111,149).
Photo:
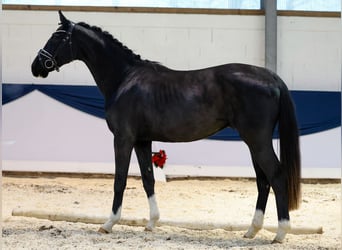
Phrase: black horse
(145,102)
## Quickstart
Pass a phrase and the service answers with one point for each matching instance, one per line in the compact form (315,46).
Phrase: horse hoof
(101,230)
(148,229)
(246,236)
(251,233)
(275,241)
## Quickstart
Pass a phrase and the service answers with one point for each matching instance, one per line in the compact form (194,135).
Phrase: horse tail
(289,147)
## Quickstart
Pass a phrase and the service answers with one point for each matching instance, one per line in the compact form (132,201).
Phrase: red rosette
(159,158)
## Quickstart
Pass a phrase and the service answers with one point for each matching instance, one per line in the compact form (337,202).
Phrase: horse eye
(56,34)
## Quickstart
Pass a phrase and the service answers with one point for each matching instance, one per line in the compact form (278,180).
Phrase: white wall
(308,51)
(308,59)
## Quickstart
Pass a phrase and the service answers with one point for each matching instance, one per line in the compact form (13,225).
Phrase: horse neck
(106,62)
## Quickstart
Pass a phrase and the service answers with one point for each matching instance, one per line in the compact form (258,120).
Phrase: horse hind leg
(144,155)
(263,192)
(279,186)
(268,164)
(276,176)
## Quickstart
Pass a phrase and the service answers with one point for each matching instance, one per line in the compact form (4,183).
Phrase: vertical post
(341,87)
(1,29)
(270,7)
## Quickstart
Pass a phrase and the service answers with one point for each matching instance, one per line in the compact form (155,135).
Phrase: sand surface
(211,200)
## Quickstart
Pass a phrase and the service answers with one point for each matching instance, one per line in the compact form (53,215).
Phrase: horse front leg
(123,149)
(144,155)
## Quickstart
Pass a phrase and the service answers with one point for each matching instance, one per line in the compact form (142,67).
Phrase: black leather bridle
(47,59)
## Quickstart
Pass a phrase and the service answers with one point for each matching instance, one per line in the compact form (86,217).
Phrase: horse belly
(186,130)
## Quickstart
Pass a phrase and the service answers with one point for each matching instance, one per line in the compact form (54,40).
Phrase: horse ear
(62,18)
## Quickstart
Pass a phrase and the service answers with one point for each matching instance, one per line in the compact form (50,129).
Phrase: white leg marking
(257,222)
(284,227)
(113,219)
(154,213)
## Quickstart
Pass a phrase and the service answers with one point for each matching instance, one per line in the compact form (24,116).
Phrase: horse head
(57,50)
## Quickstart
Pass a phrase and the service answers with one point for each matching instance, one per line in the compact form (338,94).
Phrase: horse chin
(43,74)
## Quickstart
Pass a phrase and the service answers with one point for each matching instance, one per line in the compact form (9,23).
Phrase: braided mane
(113,40)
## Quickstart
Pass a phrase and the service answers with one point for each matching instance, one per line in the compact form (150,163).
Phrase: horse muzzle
(38,70)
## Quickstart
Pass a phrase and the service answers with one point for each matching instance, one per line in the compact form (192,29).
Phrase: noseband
(46,59)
